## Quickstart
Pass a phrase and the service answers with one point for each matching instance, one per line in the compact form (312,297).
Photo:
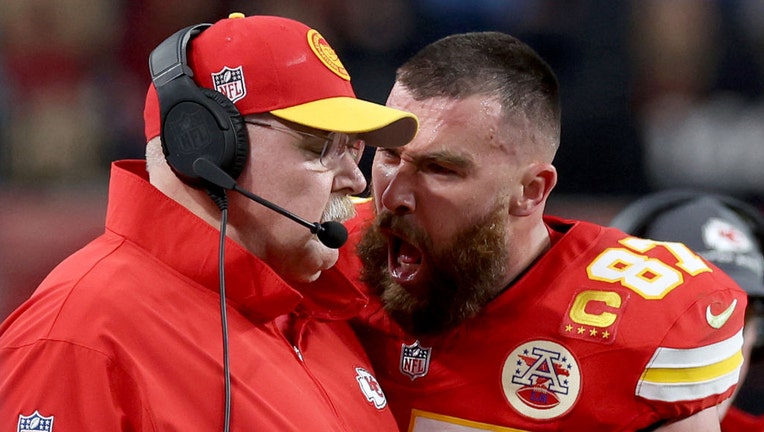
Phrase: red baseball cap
(281,66)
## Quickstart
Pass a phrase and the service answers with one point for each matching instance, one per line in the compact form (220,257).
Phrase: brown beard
(461,277)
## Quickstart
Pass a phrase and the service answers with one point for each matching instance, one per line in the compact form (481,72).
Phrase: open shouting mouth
(404,259)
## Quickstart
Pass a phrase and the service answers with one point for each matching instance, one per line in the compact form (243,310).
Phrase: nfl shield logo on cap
(230,82)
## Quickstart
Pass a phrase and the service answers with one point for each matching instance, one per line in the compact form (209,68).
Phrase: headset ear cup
(236,157)
(635,217)
(196,122)
(752,215)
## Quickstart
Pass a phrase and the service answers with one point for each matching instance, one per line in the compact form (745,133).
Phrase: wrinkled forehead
(446,121)
(469,108)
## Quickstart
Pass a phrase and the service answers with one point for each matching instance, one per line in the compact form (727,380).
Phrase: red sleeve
(698,357)
(49,378)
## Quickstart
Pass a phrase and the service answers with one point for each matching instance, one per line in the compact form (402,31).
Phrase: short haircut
(487,63)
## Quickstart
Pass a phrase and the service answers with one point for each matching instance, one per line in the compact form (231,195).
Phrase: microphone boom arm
(332,234)
(314,227)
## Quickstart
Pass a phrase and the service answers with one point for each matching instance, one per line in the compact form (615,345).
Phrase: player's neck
(526,247)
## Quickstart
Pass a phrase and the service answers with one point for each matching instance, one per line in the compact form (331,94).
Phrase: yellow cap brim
(378,125)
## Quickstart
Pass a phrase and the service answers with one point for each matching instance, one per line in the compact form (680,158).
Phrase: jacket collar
(175,236)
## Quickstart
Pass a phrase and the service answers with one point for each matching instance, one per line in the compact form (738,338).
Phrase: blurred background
(656,94)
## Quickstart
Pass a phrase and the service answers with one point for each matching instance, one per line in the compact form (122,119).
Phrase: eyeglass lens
(335,143)
(339,144)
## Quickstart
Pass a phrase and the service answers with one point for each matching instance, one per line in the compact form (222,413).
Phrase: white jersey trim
(673,392)
(696,357)
(687,374)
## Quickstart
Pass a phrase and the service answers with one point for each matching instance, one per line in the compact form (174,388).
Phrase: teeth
(404,265)
(406,261)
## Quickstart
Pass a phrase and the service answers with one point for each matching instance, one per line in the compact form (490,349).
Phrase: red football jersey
(605,332)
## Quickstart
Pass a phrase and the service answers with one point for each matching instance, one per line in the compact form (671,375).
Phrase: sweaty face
(429,289)
(438,251)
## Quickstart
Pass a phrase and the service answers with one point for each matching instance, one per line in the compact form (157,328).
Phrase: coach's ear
(537,182)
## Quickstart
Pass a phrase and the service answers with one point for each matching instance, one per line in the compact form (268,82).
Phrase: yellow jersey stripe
(675,374)
(672,392)
(694,374)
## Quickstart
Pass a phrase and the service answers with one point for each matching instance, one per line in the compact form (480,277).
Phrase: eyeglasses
(335,144)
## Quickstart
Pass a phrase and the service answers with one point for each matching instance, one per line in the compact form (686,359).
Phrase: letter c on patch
(579,314)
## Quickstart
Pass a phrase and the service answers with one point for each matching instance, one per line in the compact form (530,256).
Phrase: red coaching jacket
(126,335)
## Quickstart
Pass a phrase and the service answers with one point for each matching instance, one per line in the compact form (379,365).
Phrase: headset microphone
(332,234)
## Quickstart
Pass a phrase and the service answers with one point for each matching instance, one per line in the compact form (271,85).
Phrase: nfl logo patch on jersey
(541,379)
(415,360)
(34,423)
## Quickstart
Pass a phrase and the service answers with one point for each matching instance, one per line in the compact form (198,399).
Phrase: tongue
(406,263)
(408,254)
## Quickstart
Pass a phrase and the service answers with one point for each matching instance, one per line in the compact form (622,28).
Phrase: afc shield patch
(230,82)
(541,379)
(415,360)
(34,423)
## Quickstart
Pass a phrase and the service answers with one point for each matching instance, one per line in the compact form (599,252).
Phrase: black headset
(635,218)
(196,122)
